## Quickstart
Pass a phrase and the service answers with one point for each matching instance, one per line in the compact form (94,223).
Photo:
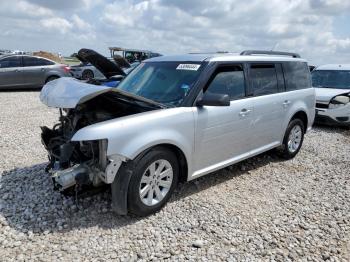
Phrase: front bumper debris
(333,117)
(67,178)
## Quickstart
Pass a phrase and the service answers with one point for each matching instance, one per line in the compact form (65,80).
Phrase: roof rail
(260,52)
(205,53)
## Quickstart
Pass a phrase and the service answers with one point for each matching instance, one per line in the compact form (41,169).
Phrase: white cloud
(23,9)
(66,4)
(81,24)
(56,24)
(305,26)
(203,25)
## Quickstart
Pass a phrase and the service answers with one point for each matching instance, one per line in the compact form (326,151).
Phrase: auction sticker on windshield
(192,67)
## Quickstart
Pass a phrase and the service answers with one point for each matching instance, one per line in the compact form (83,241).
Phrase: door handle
(42,69)
(16,70)
(286,103)
(244,112)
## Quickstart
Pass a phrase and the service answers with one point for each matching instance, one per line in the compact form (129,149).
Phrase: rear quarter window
(35,61)
(297,75)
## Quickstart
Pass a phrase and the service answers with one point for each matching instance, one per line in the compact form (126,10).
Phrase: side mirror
(210,99)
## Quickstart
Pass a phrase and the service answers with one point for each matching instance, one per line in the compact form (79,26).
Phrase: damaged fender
(127,138)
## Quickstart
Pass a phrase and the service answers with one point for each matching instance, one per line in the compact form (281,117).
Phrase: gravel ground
(261,209)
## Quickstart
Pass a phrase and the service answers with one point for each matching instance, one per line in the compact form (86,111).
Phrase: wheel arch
(47,78)
(88,70)
(180,155)
(301,114)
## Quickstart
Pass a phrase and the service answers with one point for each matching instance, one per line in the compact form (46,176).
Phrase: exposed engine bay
(79,164)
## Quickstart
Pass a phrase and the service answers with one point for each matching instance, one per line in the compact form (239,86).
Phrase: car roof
(10,55)
(333,67)
(224,57)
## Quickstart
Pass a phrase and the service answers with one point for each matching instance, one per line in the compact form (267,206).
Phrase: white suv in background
(332,84)
(176,118)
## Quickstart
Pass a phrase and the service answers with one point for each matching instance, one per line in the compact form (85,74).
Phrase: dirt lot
(262,209)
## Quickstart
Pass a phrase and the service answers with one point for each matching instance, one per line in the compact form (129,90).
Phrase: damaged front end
(77,164)
(80,164)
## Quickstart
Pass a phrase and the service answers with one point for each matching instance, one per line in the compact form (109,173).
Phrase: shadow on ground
(10,90)
(29,203)
(329,129)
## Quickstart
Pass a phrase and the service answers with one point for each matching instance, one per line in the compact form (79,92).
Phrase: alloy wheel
(294,139)
(156,182)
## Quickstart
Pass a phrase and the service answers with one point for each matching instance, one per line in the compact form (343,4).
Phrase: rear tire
(51,78)
(87,75)
(154,179)
(293,139)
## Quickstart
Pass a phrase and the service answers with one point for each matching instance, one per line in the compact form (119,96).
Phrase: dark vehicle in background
(132,55)
(24,71)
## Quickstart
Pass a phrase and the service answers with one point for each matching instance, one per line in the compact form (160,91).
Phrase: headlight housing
(339,101)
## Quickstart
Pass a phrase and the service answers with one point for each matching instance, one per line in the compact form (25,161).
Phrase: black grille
(343,119)
(319,105)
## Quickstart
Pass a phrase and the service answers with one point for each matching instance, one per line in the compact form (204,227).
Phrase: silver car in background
(24,71)
(176,118)
(332,85)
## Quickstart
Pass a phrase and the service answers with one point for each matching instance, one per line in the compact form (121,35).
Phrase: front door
(222,133)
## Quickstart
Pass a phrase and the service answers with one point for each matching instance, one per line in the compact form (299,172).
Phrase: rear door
(35,70)
(11,74)
(222,133)
(266,86)
(298,89)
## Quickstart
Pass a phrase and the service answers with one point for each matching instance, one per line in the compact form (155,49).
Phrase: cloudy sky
(318,29)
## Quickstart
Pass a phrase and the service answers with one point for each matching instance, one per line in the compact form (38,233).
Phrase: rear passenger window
(34,61)
(263,79)
(230,81)
(296,75)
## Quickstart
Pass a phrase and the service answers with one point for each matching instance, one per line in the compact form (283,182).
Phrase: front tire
(293,139)
(154,179)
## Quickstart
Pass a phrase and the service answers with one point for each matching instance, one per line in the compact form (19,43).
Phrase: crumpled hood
(67,92)
(326,94)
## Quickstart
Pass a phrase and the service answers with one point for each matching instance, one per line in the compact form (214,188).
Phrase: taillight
(66,68)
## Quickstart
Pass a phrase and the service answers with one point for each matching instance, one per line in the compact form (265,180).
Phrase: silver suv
(24,71)
(176,118)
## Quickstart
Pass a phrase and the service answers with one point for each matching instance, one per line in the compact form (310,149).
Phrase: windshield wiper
(139,99)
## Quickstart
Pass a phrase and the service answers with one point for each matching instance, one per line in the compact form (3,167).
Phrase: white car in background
(332,84)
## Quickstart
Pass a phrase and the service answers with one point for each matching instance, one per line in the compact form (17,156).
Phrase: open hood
(105,66)
(121,61)
(84,61)
(326,94)
(67,92)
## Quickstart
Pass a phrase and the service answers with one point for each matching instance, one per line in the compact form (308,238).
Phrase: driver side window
(228,80)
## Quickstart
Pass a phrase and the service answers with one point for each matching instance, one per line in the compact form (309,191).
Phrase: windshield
(164,82)
(331,79)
